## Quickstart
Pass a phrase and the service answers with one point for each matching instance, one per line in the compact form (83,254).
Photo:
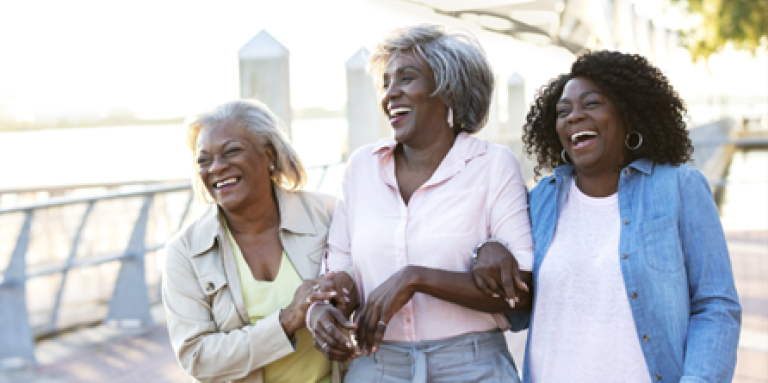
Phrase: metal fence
(74,261)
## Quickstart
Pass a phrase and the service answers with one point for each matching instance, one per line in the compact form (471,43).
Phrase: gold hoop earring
(639,141)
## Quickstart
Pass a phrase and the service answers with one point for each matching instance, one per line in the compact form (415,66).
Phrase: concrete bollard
(264,74)
(516,107)
(365,120)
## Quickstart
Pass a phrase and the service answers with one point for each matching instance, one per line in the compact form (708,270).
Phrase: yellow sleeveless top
(262,298)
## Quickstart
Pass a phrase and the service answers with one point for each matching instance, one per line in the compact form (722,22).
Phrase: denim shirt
(673,255)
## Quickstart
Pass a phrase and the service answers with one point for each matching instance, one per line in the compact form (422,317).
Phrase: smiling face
(590,127)
(416,116)
(233,168)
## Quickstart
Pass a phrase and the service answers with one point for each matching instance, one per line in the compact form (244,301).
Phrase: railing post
(366,122)
(70,259)
(264,74)
(129,305)
(16,339)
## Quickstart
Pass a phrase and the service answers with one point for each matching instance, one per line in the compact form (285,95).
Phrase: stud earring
(271,168)
(450,117)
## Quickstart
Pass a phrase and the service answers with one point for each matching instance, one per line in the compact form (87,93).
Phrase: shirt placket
(401,247)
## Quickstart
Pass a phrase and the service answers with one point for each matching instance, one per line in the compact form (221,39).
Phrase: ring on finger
(382,323)
(309,299)
(316,288)
(324,346)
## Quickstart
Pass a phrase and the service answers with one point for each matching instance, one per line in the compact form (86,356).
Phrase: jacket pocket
(661,239)
(216,290)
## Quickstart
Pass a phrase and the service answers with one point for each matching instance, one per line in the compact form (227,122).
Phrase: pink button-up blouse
(476,192)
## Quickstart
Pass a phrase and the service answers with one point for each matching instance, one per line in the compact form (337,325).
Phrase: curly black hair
(644,97)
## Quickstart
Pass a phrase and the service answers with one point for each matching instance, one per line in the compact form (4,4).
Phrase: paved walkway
(104,354)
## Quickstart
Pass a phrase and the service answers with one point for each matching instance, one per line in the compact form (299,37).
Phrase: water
(130,154)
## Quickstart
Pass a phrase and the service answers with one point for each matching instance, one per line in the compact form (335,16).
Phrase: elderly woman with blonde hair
(412,210)
(238,281)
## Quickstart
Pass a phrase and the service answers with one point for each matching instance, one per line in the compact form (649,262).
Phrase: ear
(269,150)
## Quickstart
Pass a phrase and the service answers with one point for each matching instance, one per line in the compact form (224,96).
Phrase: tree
(742,23)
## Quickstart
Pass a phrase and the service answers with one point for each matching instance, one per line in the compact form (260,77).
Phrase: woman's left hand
(381,306)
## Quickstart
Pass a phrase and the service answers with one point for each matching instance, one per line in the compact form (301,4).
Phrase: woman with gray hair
(237,282)
(412,209)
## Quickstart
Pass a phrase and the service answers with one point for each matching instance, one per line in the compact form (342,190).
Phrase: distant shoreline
(8,126)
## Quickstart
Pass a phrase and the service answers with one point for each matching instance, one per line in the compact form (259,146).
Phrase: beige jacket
(207,320)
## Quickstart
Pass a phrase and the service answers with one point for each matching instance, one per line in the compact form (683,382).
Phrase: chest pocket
(218,295)
(661,240)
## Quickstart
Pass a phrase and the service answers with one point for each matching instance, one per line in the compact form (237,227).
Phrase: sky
(167,58)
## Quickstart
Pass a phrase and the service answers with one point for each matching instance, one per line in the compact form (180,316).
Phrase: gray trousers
(475,357)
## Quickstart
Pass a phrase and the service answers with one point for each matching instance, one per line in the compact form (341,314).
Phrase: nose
(390,92)
(576,114)
(217,164)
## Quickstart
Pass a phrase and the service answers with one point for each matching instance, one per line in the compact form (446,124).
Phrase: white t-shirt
(583,330)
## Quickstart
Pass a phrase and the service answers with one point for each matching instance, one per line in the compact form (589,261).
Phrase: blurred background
(94,96)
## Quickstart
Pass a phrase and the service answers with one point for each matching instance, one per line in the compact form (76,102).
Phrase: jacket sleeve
(715,323)
(205,352)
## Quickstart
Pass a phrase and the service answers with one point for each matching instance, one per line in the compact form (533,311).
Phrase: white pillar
(264,74)
(516,107)
(366,121)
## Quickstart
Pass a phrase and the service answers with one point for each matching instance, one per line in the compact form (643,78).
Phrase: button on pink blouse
(476,192)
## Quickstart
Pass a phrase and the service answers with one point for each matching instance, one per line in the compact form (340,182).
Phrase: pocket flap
(212,283)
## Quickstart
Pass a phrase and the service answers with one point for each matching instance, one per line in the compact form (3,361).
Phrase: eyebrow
(227,142)
(403,68)
(582,95)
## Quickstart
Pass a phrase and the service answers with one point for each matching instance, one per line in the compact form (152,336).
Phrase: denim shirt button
(624,255)
(658,377)
(646,338)
(626,172)
(626,222)
(634,295)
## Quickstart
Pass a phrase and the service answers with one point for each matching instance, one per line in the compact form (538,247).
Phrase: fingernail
(511,302)
(375,348)
(525,287)
(349,345)
(333,293)
(344,289)
(517,299)
(347,299)
(495,295)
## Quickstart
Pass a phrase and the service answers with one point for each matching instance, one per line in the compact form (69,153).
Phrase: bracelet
(476,252)
(309,311)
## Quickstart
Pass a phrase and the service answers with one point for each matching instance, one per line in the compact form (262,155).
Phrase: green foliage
(742,23)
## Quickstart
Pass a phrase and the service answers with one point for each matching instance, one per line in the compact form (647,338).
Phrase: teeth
(398,111)
(226,182)
(578,135)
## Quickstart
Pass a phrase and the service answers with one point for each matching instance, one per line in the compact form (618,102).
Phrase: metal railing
(38,279)
(80,261)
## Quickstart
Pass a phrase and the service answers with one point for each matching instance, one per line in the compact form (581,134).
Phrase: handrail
(153,189)
(129,302)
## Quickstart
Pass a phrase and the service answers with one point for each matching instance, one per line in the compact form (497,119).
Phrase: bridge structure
(91,265)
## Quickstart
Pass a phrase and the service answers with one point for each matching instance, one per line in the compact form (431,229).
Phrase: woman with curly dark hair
(631,268)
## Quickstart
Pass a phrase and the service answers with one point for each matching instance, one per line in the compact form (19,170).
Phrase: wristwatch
(480,246)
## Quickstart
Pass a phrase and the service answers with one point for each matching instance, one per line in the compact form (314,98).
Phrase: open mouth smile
(583,138)
(226,183)
(398,113)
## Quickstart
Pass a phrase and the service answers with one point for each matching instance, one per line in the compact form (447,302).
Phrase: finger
(381,328)
(322,296)
(482,285)
(520,283)
(510,293)
(342,321)
(372,324)
(329,351)
(493,283)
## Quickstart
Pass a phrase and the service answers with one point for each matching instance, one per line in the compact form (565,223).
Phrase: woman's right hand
(293,317)
(327,323)
(498,275)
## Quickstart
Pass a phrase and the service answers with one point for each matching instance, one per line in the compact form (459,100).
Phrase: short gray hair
(463,74)
(265,128)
